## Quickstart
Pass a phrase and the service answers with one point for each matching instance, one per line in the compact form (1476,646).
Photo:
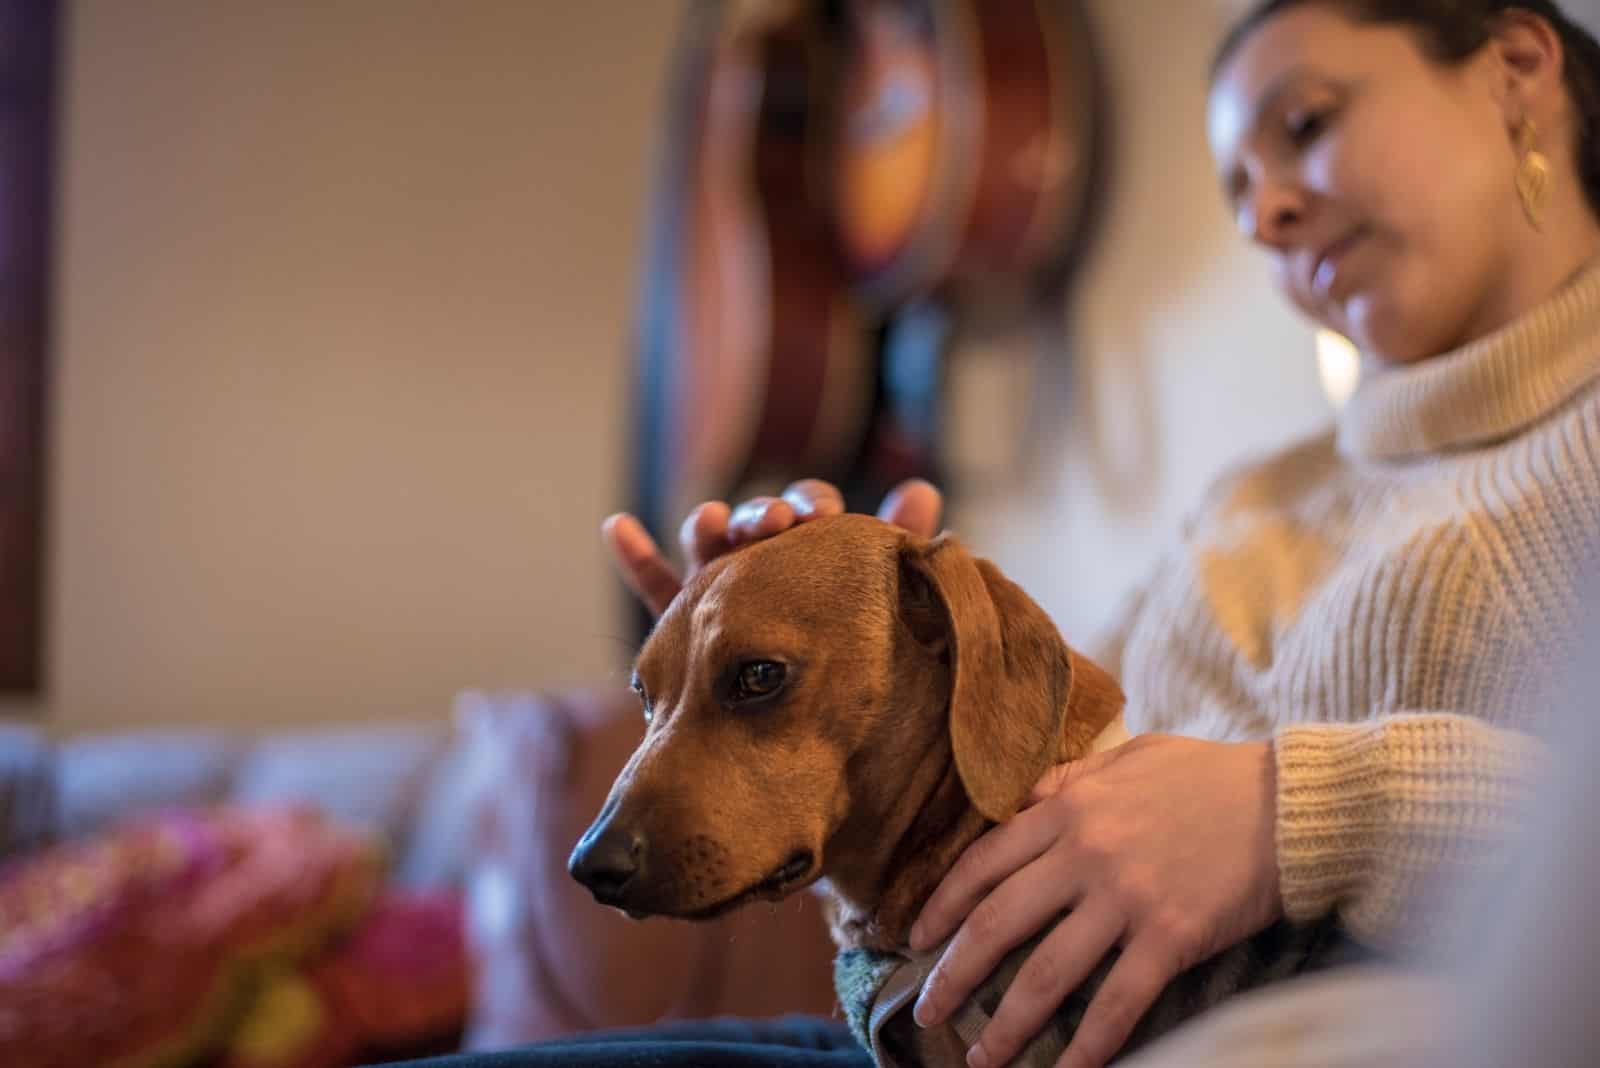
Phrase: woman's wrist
(1267,843)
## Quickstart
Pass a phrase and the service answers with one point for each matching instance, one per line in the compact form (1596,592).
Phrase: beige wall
(344,296)
(344,303)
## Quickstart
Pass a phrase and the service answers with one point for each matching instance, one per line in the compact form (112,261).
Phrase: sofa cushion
(371,777)
(27,789)
(436,855)
(101,778)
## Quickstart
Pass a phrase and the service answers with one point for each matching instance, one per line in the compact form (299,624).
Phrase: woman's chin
(1384,336)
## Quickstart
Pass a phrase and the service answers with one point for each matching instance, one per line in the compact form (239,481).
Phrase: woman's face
(1380,182)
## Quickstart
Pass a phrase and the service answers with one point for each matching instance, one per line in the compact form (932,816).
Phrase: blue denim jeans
(788,1042)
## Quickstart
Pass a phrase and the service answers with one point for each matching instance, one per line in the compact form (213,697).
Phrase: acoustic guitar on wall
(967,146)
(966,158)
(845,186)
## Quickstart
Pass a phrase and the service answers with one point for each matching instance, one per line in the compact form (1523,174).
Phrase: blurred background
(342,373)
(332,330)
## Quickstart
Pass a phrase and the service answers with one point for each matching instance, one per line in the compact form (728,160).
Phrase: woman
(1334,673)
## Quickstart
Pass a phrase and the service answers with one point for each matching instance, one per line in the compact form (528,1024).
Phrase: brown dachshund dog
(845,702)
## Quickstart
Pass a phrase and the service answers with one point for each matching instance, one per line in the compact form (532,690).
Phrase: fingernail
(749,512)
(919,937)
(923,1014)
(977,1057)
(802,505)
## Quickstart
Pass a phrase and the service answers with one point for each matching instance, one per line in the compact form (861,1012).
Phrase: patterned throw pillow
(403,975)
(146,945)
(395,988)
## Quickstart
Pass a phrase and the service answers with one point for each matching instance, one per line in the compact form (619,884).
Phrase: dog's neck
(881,918)
(892,859)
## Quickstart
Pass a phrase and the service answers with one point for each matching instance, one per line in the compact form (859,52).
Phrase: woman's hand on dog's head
(714,528)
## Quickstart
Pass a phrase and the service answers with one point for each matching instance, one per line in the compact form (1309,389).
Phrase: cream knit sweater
(1384,602)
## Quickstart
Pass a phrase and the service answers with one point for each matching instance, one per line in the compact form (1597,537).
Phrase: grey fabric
(388,779)
(369,777)
(102,777)
(1280,952)
(27,790)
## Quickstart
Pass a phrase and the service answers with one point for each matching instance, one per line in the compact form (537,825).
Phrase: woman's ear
(1529,69)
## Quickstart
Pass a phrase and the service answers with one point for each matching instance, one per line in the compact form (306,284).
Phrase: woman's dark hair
(1452,30)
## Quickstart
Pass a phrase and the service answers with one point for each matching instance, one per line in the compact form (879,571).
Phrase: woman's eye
(758,678)
(1305,126)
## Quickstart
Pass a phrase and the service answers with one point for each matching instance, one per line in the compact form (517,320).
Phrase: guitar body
(819,368)
(905,126)
(967,146)
(717,393)
(843,184)
(967,156)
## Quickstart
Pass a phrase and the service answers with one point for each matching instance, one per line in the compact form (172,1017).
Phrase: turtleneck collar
(1488,389)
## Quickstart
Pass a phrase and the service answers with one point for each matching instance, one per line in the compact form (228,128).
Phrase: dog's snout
(607,861)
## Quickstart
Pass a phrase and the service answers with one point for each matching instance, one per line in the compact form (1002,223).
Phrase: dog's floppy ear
(1020,701)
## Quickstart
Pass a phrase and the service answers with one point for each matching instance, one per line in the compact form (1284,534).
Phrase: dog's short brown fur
(925,694)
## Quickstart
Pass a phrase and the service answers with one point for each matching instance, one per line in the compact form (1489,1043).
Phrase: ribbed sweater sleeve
(1378,819)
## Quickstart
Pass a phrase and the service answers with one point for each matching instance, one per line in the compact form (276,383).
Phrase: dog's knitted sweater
(878,989)
(1384,602)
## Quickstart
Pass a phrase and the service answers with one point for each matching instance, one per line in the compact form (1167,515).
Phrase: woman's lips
(1326,270)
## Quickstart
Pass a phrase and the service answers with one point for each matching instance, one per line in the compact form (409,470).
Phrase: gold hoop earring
(1533,173)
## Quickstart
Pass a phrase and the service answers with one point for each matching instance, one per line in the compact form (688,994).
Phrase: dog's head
(793,691)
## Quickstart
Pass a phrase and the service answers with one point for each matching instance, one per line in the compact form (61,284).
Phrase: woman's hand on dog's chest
(1163,846)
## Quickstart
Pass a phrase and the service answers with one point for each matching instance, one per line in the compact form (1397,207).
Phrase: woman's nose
(1272,214)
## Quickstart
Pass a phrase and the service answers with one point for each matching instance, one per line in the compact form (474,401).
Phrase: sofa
(480,810)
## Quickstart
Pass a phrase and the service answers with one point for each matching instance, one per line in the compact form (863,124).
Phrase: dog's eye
(644,701)
(758,678)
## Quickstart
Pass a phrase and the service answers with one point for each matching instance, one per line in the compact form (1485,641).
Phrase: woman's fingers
(1132,986)
(705,534)
(812,498)
(1056,967)
(759,517)
(1017,909)
(640,563)
(914,505)
(713,529)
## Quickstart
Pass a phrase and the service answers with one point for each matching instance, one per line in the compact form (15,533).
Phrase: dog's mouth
(792,874)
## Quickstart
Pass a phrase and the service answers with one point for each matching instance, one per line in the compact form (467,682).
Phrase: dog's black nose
(606,862)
